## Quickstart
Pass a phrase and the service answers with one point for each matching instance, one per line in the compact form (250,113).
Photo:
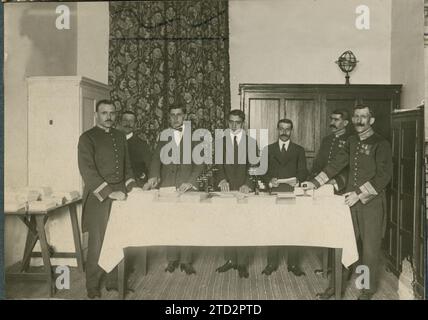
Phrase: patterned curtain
(165,53)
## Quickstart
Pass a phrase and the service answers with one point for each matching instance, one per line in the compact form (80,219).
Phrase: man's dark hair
(176,106)
(363,106)
(104,101)
(237,112)
(287,121)
(343,113)
(129,112)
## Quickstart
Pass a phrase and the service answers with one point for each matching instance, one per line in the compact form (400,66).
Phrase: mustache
(359,125)
(333,126)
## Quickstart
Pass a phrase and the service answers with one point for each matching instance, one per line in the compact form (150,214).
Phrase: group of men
(112,162)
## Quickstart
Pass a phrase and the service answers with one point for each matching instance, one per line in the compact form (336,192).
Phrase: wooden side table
(35,222)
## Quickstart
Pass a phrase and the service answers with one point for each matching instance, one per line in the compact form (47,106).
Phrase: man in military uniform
(181,175)
(285,160)
(139,151)
(370,169)
(330,147)
(106,171)
(235,177)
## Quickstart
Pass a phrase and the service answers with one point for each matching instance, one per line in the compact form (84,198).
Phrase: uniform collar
(339,133)
(106,130)
(366,134)
(129,135)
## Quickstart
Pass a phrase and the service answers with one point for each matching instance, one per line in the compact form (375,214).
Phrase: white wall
(297,41)
(407,50)
(93,40)
(35,47)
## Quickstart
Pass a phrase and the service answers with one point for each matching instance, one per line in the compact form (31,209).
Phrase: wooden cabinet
(309,106)
(406,223)
(59,110)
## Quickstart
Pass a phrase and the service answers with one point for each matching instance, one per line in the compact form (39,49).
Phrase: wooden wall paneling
(264,113)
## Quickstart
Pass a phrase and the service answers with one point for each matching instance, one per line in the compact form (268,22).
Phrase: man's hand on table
(244,189)
(184,187)
(224,185)
(117,195)
(151,183)
(274,182)
(351,198)
(307,185)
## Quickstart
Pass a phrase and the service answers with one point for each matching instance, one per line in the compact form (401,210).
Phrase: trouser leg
(293,256)
(186,255)
(371,218)
(96,231)
(273,256)
(243,255)
(172,254)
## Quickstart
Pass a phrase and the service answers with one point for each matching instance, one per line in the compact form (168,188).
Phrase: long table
(149,219)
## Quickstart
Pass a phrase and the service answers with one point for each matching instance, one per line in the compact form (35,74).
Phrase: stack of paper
(14,206)
(68,195)
(326,190)
(43,191)
(42,205)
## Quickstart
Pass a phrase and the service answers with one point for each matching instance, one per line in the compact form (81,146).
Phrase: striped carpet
(207,284)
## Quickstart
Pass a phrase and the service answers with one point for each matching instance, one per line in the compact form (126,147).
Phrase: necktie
(235,149)
(283,148)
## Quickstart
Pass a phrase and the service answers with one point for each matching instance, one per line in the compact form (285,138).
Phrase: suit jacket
(105,167)
(173,175)
(291,163)
(330,147)
(140,156)
(235,174)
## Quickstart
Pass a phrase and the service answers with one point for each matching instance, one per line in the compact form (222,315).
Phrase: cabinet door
(393,220)
(304,111)
(264,113)
(408,186)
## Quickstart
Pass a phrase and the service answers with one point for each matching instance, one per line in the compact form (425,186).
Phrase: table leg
(30,242)
(325,254)
(121,279)
(338,273)
(40,220)
(76,236)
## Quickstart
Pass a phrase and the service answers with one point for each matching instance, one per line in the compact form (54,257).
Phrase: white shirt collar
(178,135)
(238,136)
(287,143)
(129,135)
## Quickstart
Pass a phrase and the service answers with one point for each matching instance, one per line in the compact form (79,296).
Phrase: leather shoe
(269,269)
(365,295)
(243,271)
(171,266)
(94,293)
(296,270)
(112,287)
(328,293)
(226,267)
(188,268)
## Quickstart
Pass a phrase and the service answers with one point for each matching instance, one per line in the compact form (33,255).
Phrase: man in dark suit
(285,160)
(330,147)
(107,174)
(181,175)
(139,151)
(140,157)
(369,158)
(234,176)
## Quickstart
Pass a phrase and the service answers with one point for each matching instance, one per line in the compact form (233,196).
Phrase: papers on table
(42,205)
(326,190)
(36,198)
(290,181)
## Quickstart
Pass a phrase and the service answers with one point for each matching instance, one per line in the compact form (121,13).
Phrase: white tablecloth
(260,221)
